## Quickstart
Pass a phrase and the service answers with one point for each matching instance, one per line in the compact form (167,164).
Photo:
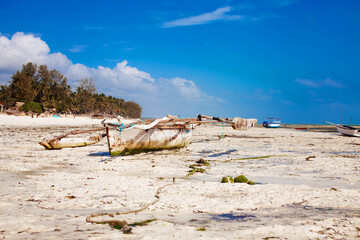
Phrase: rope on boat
(222,134)
(121,127)
(123,223)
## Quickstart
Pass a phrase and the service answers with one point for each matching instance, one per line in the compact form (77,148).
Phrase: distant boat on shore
(346,130)
(272,123)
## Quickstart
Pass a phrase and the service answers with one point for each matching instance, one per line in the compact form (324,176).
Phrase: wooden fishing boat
(166,133)
(158,138)
(64,141)
(145,135)
(51,144)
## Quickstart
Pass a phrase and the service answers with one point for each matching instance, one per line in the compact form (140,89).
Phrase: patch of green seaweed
(197,167)
(126,151)
(203,162)
(121,225)
(195,170)
(194,166)
(227,179)
(143,223)
(117,226)
(243,179)
(201,229)
(238,179)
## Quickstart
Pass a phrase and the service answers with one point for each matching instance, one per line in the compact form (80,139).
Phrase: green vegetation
(203,162)
(117,226)
(243,179)
(197,167)
(238,179)
(32,106)
(126,151)
(143,223)
(126,228)
(195,170)
(227,179)
(201,229)
(200,163)
(41,89)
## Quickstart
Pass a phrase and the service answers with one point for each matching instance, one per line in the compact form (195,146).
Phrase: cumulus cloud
(121,81)
(217,15)
(320,83)
(22,48)
(185,87)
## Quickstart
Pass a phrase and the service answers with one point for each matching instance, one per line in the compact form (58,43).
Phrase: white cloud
(217,15)
(22,48)
(331,83)
(308,83)
(78,71)
(78,48)
(186,88)
(122,81)
(320,83)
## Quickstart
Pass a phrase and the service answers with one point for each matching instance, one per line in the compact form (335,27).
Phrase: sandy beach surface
(307,185)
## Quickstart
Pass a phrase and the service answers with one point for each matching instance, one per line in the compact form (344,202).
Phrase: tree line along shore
(36,89)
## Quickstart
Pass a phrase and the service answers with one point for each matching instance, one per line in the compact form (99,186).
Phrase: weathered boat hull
(347,130)
(153,139)
(69,142)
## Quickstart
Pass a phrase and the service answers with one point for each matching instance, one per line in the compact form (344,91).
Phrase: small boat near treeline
(137,136)
(272,123)
(346,130)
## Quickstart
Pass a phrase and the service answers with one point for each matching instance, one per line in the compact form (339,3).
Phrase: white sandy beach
(28,121)
(308,185)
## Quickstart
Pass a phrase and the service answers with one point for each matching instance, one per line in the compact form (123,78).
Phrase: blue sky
(294,59)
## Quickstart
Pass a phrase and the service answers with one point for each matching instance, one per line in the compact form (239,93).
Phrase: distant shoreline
(42,121)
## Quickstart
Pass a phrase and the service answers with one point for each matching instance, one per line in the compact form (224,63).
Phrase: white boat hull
(273,125)
(153,139)
(348,131)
